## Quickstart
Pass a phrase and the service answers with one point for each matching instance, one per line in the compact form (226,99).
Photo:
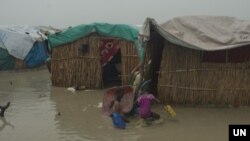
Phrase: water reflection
(81,117)
(5,123)
(39,112)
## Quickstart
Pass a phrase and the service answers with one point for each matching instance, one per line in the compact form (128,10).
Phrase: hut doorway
(153,61)
(93,62)
(110,61)
(111,72)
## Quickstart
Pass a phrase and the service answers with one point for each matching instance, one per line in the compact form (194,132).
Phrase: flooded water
(39,112)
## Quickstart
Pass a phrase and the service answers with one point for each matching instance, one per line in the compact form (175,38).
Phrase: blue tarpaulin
(37,55)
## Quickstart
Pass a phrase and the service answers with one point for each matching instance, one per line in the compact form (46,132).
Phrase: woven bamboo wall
(71,68)
(185,79)
(130,59)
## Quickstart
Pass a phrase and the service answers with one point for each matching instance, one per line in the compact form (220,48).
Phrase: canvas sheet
(18,40)
(202,32)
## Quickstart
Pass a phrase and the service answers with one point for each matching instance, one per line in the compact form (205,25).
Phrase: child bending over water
(117,114)
(144,102)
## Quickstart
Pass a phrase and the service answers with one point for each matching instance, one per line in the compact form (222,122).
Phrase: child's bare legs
(152,117)
(125,119)
(155,116)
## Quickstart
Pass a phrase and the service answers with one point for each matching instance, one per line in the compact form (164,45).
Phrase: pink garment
(144,102)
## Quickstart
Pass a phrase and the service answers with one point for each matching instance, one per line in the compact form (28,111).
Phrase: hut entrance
(94,62)
(118,59)
(153,61)
(110,61)
(111,72)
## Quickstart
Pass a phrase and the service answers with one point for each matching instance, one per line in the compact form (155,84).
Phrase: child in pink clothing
(144,102)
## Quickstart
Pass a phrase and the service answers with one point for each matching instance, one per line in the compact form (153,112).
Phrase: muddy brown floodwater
(39,112)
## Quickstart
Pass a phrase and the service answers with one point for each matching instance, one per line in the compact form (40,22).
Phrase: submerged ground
(39,112)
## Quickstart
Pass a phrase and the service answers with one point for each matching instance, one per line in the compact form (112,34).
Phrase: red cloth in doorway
(109,48)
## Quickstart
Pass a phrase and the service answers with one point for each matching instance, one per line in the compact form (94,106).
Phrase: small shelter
(91,55)
(22,47)
(199,60)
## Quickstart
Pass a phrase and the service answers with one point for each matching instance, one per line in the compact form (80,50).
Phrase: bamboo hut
(199,60)
(86,55)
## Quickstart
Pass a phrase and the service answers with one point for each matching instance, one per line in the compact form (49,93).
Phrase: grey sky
(73,12)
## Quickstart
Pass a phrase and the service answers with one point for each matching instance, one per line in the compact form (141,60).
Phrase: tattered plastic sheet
(18,40)
(208,33)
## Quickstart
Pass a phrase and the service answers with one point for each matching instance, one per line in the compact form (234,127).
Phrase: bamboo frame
(71,68)
(184,79)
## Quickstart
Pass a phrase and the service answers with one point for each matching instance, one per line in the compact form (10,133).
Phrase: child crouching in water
(144,102)
(118,117)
